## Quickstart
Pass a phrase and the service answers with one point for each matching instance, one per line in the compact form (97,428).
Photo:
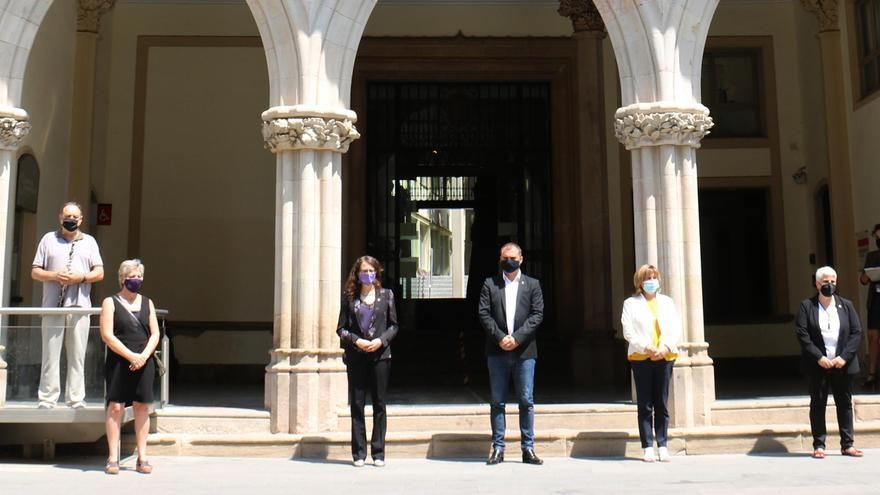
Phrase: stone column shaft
(837,134)
(79,183)
(839,167)
(659,49)
(14,126)
(663,139)
(306,377)
(594,333)
(79,186)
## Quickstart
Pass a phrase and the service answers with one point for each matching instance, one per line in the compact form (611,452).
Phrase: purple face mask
(367,278)
(133,284)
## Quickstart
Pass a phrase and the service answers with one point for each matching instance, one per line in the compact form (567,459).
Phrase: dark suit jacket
(528,316)
(810,335)
(383,326)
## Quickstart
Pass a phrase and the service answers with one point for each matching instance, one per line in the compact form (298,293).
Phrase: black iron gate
(434,149)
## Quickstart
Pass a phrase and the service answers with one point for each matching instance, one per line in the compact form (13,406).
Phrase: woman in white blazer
(652,327)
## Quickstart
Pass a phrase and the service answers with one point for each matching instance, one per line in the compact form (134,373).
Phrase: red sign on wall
(105,213)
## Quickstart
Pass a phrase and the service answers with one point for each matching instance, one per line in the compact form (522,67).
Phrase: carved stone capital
(583,14)
(825,11)
(640,125)
(89,12)
(309,133)
(12,132)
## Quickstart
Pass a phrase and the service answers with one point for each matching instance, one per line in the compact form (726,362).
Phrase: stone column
(310,50)
(659,49)
(14,126)
(837,134)
(79,185)
(596,335)
(306,380)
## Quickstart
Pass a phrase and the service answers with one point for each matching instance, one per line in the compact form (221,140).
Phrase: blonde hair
(641,275)
(129,266)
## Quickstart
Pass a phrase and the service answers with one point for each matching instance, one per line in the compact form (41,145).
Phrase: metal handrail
(35,311)
(164,343)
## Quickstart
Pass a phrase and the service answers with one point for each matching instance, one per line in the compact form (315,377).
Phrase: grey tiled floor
(710,474)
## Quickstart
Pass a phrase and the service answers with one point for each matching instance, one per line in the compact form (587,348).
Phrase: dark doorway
(455,170)
(735,249)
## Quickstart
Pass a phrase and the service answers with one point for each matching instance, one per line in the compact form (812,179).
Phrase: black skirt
(126,386)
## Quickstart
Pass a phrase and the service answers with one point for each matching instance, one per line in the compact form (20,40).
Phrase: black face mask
(509,266)
(828,289)
(69,225)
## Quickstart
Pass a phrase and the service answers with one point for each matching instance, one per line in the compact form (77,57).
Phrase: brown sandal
(852,452)
(819,454)
(112,467)
(143,467)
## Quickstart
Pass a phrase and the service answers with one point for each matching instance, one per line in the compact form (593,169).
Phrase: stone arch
(658,47)
(19,22)
(310,49)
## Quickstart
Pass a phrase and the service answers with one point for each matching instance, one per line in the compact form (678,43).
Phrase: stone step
(475,417)
(794,438)
(209,420)
(787,410)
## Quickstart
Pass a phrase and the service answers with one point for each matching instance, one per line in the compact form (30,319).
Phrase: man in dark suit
(511,309)
(829,333)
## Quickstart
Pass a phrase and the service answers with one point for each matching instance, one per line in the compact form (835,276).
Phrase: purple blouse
(365,318)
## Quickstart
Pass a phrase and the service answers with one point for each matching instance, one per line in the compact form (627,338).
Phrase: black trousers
(363,375)
(841,385)
(652,396)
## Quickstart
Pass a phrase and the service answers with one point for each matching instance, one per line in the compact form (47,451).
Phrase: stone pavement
(706,474)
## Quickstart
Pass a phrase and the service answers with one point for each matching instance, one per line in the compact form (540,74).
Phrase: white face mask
(651,286)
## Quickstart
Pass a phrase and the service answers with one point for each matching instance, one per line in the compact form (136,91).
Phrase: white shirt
(829,324)
(510,290)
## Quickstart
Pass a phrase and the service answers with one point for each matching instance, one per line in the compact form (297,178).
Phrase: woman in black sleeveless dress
(131,331)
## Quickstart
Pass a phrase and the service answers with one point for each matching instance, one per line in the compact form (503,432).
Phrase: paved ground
(710,474)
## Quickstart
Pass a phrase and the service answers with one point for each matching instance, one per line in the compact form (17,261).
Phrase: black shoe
(496,457)
(529,457)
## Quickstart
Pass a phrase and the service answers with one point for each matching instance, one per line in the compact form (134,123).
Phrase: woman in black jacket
(367,324)
(829,333)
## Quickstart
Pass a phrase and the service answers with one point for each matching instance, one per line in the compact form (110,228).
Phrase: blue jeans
(523,370)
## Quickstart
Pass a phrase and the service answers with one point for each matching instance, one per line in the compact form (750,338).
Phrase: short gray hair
(129,266)
(825,270)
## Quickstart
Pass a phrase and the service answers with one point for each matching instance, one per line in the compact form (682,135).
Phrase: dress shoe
(529,457)
(496,457)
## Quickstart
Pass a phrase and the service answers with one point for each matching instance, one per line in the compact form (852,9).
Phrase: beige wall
(208,209)
(207,231)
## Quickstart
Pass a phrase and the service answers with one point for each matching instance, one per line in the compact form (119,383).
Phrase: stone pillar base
(692,389)
(304,390)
